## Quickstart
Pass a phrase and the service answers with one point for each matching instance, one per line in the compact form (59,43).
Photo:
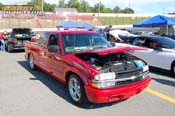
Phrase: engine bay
(111,62)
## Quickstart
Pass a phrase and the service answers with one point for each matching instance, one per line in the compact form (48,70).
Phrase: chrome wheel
(31,62)
(74,89)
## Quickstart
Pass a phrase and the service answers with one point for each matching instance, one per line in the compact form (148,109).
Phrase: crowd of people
(3,40)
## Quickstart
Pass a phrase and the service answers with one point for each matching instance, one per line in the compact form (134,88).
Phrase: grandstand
(47,20)
(37,19)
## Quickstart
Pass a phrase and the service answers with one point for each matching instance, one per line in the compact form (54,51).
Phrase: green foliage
(1,6)
(116,9)
(84,6)
(108,10)
(61,4)
(128,10)
(49,7)
(73,4)
(80,5)
(37,4)
(120,20)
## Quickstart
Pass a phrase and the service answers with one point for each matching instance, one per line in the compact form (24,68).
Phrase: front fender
(83,74)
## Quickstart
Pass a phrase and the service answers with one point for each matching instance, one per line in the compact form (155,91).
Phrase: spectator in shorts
(2,41)
(3,38)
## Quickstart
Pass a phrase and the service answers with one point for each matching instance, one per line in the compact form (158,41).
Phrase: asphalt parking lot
(34,93)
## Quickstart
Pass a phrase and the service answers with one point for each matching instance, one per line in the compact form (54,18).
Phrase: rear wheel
(76,90)
(10,47)
(173,69)
(31,62)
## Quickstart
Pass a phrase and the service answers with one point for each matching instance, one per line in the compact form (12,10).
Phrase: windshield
(22,31)
(166,42)
(80,42)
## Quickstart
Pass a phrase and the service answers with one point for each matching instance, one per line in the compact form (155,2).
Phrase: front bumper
(21,46)
(114,94)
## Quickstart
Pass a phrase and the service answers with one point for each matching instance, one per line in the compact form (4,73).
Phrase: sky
(139,6)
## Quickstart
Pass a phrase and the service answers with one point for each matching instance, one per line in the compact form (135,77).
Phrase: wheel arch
(172,66)
(70,73)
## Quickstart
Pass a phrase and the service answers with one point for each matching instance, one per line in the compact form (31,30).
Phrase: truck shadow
(169,80)
(59,88)
(16,51)
(160,72)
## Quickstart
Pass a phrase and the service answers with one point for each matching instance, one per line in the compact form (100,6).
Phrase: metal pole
(42,5)
(98,9)
(129,4)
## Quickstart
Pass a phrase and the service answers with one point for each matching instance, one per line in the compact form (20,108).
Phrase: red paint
(58,66)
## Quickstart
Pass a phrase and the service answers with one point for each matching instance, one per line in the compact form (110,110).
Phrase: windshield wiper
(100,46)
(81,48)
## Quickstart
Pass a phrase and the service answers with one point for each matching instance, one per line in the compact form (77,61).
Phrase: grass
(120,20)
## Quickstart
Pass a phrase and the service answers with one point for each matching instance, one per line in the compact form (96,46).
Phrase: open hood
(111,50)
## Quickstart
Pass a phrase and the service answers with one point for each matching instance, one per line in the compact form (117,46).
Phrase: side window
(53,40)
(148,43)
(44,39)
(139,41)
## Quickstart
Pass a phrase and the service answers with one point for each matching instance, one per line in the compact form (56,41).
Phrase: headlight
(104,76)
(104,80)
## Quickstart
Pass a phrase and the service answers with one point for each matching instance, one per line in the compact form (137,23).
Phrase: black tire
(173,69)
(6,45)
(31,62)
(10,47)
(76,90)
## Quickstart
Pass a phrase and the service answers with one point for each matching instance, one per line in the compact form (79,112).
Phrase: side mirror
(54,48)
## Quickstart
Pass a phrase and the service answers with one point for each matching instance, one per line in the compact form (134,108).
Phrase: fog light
(103,84)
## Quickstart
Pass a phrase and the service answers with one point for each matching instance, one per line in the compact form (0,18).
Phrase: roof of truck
(74,31)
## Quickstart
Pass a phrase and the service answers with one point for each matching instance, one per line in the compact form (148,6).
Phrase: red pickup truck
(94,70)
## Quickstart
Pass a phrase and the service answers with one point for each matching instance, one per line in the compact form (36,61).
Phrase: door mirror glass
(54,48)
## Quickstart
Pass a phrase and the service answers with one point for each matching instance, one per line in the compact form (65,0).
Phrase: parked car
(89,65)
(128,38)
(160,51)
(115,35)
(17,38)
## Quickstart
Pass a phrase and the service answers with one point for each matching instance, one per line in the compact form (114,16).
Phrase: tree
(73,4)
(37,4)
(116,9)
(49,7)
(61,4)
(1,6)
(128,10)
(84,6)
(99,8)
(108,10)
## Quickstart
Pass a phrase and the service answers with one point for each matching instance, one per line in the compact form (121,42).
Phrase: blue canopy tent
(164,22)
(88,26)
(69,24)
(156,21)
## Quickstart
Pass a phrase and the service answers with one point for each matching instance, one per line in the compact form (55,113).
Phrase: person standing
(3,38)
(107,32)
(2,41)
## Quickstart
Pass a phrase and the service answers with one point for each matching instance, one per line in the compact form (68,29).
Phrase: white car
(117,33)
(160,51)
